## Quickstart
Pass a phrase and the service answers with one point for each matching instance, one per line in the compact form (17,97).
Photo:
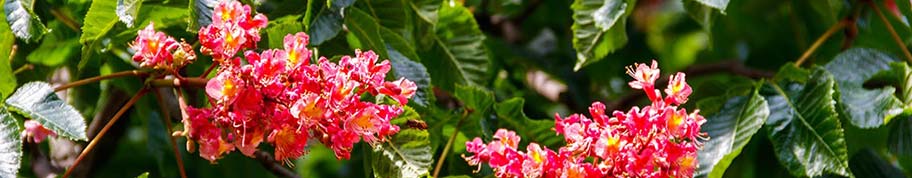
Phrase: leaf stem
(99,78)
(167,119)
(449,144)
(893,33)
(23,68)
(826,35)
(104,130)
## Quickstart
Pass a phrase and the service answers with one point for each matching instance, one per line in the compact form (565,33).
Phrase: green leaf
(200,14)
(599,28)
(366,29)
(279,28)
(37,100)
(98,20)
(392,14)
(458,55)
(864,108)
(475,98)
(127,10)
(7,39)
(325,27)
(403,59)
(867,163)
(704,11)
(900,140)
(10,144)
(54,50)
(22,19)
(143,175)
(804,128)
(730,130)
(510,115)
(426,9)
(406,154)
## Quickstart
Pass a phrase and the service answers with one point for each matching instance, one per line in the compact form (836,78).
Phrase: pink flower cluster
(284,98)
(156,50)
(659,140)
(232,30)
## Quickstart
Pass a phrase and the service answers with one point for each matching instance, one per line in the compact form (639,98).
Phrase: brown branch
(167,119)
(826,35)
(270,164)
(183,82)
(69,22)
(104,130)
(899,41)
(728,66)
(100,78)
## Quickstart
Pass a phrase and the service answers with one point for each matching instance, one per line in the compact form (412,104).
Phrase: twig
(104,130)
(167,119)
(185,82)
(23,68)
(729,66)
(826,35)
(899,41)
(69,22)
(449,144)
(99,78)
(270,164)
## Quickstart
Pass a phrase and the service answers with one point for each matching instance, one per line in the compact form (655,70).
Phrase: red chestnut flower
(156,50)
(232,30)
(657,140)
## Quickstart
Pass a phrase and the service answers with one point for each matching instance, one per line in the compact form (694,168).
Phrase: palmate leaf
(127,10)
(22,19)
(10,145)
(458,54)
(510,115)
(599,28)
(406,154)
(279,28)
(804,126)
(37,100)
(730,129)
(864,108)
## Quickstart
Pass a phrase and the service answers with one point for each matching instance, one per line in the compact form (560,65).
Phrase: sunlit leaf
(406,154)
(10,144)
(127,10)
(804,126)
(864,108)
(599,28)
(22,19)
(7,40)
(37,100)
(730,130)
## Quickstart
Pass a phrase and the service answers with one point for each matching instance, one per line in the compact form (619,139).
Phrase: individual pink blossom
(296,46)
(655,141)
(36,131)
(678,90)
(154,49)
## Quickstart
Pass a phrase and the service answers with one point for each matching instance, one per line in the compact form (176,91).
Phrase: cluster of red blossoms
(282,96)
(658,140)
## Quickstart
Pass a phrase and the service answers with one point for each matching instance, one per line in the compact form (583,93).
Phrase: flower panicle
(657,140)
(284,97)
